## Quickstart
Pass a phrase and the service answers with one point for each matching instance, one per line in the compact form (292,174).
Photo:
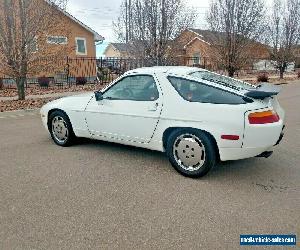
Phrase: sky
(99,14)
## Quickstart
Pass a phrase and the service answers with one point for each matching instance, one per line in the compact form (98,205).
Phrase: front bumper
(44,117)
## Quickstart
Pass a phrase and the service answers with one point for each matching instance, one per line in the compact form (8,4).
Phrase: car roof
(176,70)
(181,71)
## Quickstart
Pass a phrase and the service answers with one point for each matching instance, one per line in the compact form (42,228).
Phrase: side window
(197,92)
(134,88)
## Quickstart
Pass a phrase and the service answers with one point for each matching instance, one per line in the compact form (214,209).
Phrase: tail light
(264,117)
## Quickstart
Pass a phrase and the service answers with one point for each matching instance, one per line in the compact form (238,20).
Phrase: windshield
(223,80)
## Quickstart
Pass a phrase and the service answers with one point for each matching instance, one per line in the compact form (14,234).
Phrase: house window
(81,46)
(32,46)
(197,58)
(57,40)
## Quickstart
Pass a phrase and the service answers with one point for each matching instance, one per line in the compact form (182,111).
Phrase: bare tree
(284,32)
(150,27)
(24,26)
(236,24)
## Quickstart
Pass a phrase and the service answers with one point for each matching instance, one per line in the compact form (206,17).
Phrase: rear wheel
(60,129)
(191,152)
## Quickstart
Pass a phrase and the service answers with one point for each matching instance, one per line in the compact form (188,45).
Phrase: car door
(129,111)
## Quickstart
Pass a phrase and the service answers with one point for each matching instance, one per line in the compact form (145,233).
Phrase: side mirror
(98,96)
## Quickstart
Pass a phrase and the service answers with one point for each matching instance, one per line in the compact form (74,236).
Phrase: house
(81,41)
(72,42)
(292,65)
(297,56)
(194,47)
(117,50)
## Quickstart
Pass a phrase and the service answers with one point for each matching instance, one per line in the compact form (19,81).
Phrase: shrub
(1,83)
(103,74)
(44,81)
(81,80)
(263,77)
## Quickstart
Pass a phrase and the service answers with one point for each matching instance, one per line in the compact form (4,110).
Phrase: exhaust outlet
(265,154)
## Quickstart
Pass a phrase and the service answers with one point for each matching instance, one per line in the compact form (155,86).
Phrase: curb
(20,111)
(52,95)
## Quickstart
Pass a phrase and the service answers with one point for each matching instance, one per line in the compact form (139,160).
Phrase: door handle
(153,107)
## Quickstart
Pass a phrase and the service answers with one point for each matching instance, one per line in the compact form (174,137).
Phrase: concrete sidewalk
(52,95)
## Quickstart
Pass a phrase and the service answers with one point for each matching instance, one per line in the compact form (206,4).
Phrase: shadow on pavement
(242,169)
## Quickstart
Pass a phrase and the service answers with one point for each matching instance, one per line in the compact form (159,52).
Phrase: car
(195,116)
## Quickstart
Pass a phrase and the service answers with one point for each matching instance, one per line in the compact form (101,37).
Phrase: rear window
(222,80)
(193,91)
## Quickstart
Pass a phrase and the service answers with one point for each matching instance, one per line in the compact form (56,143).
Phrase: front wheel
(191,152)
(60,129)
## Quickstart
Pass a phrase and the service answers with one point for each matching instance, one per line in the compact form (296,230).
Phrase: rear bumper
(262,135)
(228,154)
(281,136)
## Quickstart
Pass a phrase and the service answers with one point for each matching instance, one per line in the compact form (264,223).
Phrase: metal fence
(84,70)
(71,72)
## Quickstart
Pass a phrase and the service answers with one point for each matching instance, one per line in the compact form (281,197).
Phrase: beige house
(81,42)
(80,37)
(117,50)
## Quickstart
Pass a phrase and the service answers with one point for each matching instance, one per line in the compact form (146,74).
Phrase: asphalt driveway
(98,195)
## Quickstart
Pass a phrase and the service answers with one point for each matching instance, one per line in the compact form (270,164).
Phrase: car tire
(191,152)
(60,129)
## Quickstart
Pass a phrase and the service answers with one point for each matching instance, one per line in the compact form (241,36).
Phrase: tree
(149,26)
(24,25)
(236,25)
(284,32)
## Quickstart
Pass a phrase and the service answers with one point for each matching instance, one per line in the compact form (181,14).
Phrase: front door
(129,111)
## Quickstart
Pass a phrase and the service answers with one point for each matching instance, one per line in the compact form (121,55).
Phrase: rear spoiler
(263,91)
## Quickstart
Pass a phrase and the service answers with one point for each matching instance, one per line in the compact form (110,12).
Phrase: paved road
(104,196)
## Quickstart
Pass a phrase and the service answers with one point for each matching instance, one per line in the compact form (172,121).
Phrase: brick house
(74,39)
(297,56)
(194,47)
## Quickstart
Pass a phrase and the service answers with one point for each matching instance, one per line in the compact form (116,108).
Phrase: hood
(73,102)
(86,94)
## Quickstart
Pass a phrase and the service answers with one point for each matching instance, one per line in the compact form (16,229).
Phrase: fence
(76,71)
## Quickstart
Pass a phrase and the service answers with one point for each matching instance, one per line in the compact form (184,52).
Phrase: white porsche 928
(197,117)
